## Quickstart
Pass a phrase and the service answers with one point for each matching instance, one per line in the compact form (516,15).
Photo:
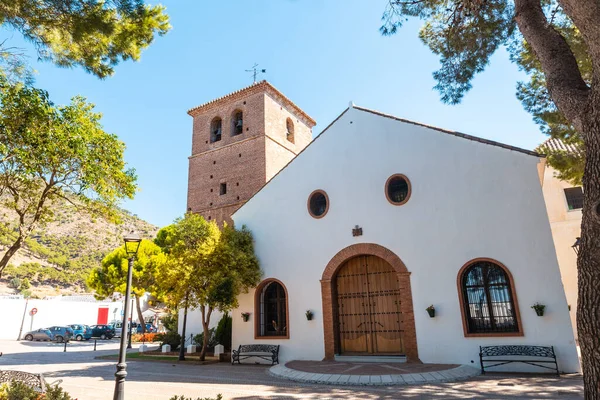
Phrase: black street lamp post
(130,323)
(132,244)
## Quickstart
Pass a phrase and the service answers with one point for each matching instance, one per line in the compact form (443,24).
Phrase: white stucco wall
(194,322)
(468,200)
(566,227)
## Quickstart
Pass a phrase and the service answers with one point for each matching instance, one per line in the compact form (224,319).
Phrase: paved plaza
(87,378)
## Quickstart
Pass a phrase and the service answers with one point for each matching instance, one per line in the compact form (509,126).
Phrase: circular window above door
(318,204)
(397,189)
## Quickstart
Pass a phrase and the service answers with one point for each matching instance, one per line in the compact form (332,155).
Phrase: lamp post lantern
(132,244)
(576,245)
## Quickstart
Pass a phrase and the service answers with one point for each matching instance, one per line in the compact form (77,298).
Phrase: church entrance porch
(368,308)
(372,374)
(367,304)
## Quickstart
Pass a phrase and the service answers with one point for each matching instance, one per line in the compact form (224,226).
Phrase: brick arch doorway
(355,260)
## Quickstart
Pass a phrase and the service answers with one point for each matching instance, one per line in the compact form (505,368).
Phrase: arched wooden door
(369,320)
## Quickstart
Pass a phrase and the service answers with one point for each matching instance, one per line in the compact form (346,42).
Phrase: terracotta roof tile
(249,90)
(553,144)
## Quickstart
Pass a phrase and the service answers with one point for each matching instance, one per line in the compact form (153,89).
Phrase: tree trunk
(182,344)
(205,325)
(139,312)
(588,261)
(10,252)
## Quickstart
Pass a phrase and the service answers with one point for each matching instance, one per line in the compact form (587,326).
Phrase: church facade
(390,238)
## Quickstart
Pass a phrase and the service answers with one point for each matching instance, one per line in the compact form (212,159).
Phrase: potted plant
(245,316)
(431,311)
(309,315)
(539,309)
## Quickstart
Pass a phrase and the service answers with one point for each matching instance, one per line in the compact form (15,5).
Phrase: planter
(309,315)
(431,312)
(539,312)
(245,317)
(539,309)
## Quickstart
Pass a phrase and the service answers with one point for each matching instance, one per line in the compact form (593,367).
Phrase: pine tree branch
(586,16)
(565,83)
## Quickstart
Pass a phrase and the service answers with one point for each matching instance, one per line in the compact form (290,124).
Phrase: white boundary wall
(58,311)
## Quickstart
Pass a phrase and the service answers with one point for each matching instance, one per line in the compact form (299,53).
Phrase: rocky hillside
(58,257)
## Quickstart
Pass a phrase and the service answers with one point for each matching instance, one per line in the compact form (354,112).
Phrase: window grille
(273,312)
(488,302)
(574,198)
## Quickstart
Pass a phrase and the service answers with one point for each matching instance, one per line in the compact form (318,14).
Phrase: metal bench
(35,381)
(532,355)
(267,352)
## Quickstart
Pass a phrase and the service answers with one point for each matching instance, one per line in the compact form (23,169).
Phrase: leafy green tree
(54,153)
(558,43)
(207,268)
(111,277)
(187,244)
(170,322)
(93,34)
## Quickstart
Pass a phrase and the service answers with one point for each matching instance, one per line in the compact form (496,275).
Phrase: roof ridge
(454,133)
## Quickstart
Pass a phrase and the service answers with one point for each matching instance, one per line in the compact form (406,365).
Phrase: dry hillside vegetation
(58,257)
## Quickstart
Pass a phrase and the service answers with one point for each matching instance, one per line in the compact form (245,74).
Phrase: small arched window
(489,303)
(215,129)
(289,126)
(271,310)
(237,123)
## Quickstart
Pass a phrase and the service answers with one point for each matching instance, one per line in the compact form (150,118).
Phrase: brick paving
(87,378)
(357,368)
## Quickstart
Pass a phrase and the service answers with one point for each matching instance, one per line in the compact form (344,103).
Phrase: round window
(397,189)
(318,204)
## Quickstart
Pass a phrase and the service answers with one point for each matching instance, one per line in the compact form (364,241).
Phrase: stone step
(372,359)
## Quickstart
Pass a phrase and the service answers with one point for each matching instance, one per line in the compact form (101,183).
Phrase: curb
(459,373)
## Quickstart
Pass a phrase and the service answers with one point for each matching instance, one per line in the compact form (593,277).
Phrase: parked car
(39,334)
(149,328)
(81,332)
(103,331)
(61,333)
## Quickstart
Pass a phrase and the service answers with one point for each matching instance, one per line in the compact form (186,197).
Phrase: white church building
(379,223)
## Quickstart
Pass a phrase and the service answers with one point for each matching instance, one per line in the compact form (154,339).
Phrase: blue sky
(320,53)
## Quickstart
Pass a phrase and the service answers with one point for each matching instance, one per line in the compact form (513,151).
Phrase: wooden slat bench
(532,355)
(35,381)
(269,352)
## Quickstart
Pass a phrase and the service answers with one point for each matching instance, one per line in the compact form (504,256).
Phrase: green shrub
(56,393)
(170,322)
(17,391)
(212,339)
(173,339)
(223,332)
(25,284)
(219,397)
(14,283)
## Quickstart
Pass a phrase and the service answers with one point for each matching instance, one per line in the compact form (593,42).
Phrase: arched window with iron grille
(272,313)
(488,299)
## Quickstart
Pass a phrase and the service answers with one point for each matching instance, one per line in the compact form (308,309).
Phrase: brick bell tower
(239,142)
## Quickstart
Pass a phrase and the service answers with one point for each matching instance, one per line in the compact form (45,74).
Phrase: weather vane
(255,71)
